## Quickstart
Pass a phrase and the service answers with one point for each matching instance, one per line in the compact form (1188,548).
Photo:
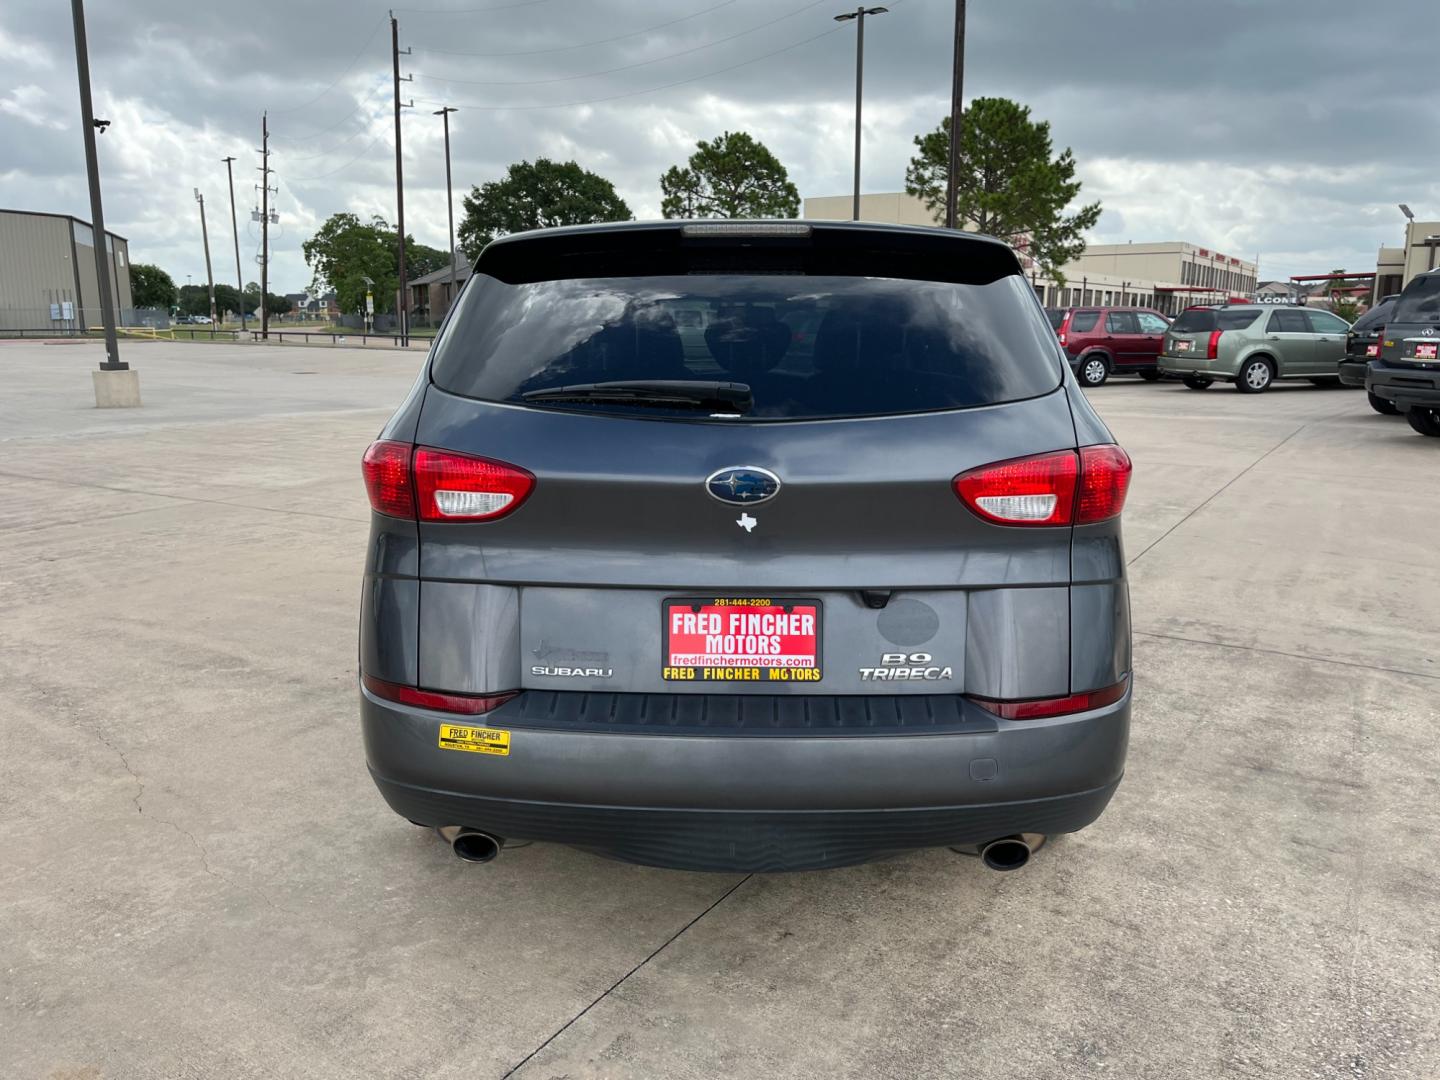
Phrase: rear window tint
(1082,321)
(809,347)
(1420,302)
(1056,316)
(1375,317)
(1205,320)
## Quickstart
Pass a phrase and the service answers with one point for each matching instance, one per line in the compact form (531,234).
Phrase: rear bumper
(1180,367)
(742,802)
(1352,371)
(1406,387)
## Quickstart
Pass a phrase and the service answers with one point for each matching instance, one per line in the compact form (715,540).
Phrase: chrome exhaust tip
(471,845)
(1005,854)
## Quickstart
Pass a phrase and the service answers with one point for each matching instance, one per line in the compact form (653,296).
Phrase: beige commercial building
(47,272)
(1166,276)
(1395,266)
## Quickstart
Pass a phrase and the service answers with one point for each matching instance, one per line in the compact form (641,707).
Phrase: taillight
(1374,350)
(1064,488)
(1028,491)
(1213,350)
(387,478)
(458,487)
(1039,708)
(469,704)
(407,481)
(1062,337)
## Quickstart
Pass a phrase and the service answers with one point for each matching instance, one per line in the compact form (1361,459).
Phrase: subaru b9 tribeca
(746,546)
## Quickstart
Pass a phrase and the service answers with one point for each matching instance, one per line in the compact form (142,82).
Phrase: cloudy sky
(1287,130)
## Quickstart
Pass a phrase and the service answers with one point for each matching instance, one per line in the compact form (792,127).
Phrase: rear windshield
(1376,316)
(1056,317)
(1205,320)
(1420,302)
(809,347)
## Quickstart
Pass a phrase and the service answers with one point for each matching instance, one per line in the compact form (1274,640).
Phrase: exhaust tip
(471,845)
(1007,853)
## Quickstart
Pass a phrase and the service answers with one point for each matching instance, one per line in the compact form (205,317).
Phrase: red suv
(1105,341)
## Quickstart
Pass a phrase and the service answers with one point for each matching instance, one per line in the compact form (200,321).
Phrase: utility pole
(444,114)
(235,228)
(957,111)
(88,124)
(859,16)
(264,225)
(205,235)
(403,308)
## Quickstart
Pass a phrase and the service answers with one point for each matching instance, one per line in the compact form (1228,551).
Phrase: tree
(1342,292)
(733,176)
(347,250)
(151,287)
(276,305)
(537,196)
(1009,186)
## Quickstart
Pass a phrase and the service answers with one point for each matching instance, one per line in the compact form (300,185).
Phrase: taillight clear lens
(1213,350)
(458,487)
(1039,708)
(1028,491)
(469,704)
(387,478)
(1104,482)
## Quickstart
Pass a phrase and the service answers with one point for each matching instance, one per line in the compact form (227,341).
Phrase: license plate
(1182,346)
(1426,350)
(740,639)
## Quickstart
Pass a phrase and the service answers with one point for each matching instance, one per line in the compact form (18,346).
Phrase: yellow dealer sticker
(476,740)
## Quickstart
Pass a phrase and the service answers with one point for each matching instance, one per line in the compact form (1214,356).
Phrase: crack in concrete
(618,982)
(1290,655)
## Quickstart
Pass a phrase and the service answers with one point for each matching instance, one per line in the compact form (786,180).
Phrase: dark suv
(1362,345)
(1407,372)
(670,502)
(1105,341)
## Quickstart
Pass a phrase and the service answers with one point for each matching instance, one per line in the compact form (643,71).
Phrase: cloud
(1240,126)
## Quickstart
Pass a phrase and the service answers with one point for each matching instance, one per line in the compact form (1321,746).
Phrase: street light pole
(234,228)
(957,110)
(859,16)
(205,236)
(88,124)
(444,114)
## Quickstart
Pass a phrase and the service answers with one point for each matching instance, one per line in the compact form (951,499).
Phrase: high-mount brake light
(1057,489)
(741,229)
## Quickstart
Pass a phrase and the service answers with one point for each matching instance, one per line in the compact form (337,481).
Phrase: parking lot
(201,880)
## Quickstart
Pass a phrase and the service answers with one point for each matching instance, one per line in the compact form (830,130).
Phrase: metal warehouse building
(47,272)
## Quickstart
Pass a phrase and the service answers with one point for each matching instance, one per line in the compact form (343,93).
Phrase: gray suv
(746,546)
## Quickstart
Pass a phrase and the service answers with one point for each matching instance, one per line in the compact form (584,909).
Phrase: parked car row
(1401,362)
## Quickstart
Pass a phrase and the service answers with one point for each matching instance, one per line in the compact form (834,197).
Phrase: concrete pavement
(201,881)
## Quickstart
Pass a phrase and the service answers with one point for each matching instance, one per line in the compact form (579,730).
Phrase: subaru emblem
(742,485)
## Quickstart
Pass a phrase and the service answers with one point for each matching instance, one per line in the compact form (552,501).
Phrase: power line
(626,67)
(331,152)
(370,99)
(356,57)
(636,93)
(470,11)
(342,168)
(584,44)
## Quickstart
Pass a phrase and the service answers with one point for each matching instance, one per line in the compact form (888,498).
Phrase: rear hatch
(1412,335)
(800,535)
(1365,333)
(1192,335)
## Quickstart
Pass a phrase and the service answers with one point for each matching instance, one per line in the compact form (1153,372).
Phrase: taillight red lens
(1027,491)
(1039,708)
(1104,482)
(387,478)
(1062,337)
(469,704)
(1213,350)
(458,487)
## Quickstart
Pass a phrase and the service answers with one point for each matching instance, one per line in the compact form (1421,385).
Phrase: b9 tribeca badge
(905,667)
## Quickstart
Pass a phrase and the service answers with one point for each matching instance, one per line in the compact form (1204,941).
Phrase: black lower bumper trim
(745,840)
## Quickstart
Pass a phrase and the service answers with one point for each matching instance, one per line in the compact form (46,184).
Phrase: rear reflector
(387,478)
(469,704)
(1039,708)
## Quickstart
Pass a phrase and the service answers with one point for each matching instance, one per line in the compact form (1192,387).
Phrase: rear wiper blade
(682,393)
